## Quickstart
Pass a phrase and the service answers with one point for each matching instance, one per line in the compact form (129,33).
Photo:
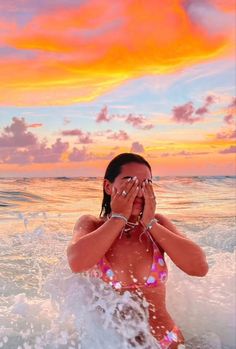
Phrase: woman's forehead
(135,169)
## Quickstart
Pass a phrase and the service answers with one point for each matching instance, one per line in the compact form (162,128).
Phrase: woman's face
(142,173)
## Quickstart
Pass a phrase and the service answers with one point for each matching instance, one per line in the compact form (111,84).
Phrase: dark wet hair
(113,170)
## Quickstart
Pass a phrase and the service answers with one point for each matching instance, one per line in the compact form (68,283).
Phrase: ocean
(44,305)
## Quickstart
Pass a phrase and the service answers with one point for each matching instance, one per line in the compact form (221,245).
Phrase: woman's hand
(122,199)
(149,202)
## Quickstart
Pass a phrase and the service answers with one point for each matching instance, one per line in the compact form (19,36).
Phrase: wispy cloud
(68,55)
(66,121)
(138,121)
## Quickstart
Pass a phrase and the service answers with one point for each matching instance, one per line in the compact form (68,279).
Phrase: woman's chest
(130,262)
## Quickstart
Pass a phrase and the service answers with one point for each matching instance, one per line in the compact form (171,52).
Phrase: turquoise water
(43,305)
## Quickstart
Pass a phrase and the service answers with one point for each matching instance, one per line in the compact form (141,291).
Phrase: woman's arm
(90,242)
(186,254)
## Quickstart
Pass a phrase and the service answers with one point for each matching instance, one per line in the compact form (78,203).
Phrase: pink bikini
(158,274)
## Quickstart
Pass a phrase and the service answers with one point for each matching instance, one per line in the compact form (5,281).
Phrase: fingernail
(134,178)
(146,181)
(129,179)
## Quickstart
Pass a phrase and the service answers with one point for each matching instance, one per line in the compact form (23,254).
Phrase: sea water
(44,305)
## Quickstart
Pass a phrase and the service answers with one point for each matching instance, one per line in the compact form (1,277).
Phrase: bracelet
(120,216)
(150,224)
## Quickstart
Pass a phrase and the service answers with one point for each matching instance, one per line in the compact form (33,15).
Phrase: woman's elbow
(201,269)
(77,263)
(72,261)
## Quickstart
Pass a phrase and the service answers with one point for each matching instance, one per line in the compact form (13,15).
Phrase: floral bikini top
(158,273)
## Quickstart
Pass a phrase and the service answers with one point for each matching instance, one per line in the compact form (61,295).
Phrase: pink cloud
(44,154)
(37,153)
(79,155)
(85,139)
(231,149)
(76,132)
(226,134)
(137,147)
(16,134)
(204,109)
(120,136)
(135,120)
(210,100)
(233,103)
(138,121)
(17,156)
(15,137)
(229,119)
(103,115)
(185,114)
(147,127)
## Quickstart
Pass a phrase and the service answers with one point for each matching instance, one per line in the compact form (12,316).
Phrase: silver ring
(123,193)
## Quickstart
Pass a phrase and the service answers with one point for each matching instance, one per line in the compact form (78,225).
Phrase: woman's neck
(134,218)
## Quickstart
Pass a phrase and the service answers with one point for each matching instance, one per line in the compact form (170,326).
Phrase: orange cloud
(76,54)
(224,5)
(35,125)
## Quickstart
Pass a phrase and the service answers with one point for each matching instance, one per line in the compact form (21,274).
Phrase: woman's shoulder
(88,219)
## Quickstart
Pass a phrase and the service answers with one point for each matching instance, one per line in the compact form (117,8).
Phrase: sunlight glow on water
(43,305)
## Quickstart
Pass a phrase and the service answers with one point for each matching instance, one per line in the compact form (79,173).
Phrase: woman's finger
(144,189)
(133,191)
(149,188)
(126,186)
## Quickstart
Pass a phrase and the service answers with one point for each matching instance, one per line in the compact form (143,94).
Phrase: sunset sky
(82,81)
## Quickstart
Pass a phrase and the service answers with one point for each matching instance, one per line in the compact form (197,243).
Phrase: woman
(128,241)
